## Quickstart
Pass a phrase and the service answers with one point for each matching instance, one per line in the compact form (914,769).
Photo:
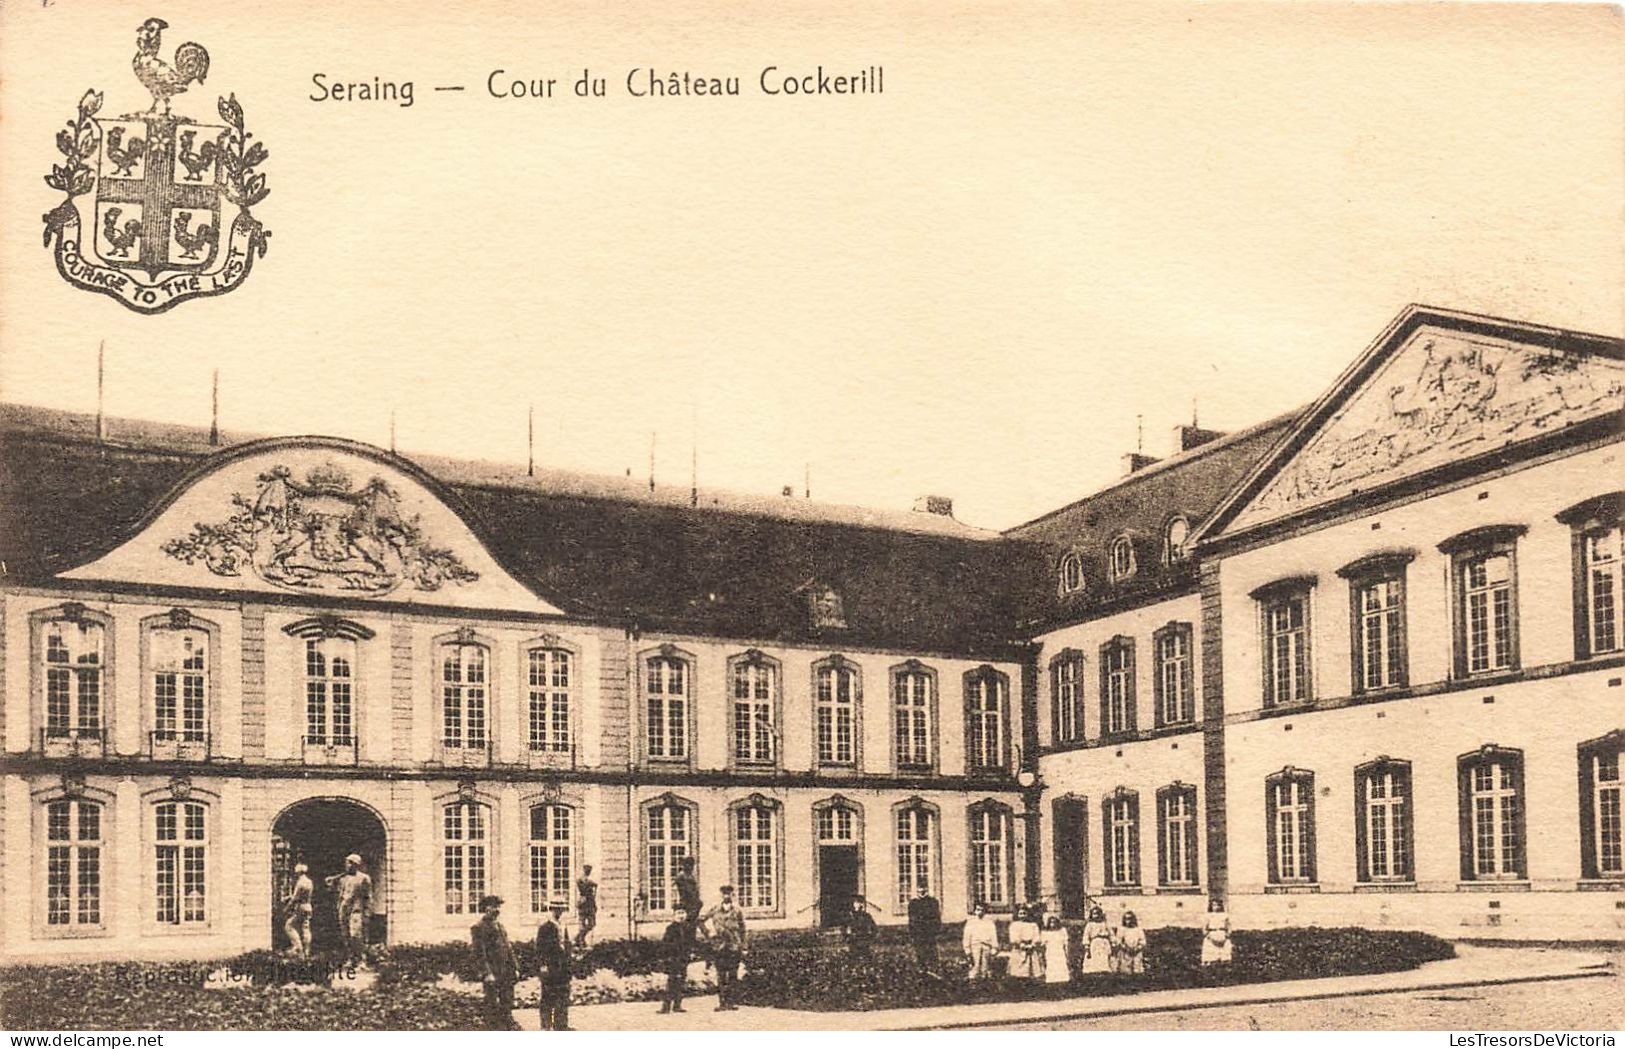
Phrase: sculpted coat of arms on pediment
(324,534)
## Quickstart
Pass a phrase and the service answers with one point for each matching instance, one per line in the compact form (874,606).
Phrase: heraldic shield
(166,198)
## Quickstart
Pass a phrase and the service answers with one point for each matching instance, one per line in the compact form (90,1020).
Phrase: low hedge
(889,978)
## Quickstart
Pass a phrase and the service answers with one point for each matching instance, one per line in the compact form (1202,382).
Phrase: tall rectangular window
(1486,594)
(667,838)
(180,863)
(990,855)
(913,700)
(1603,582)
(755,858)
(916,837)
(986,696)
(1286,648)
(1176,835)
(550,679)
(1602,852)
(1492,816)
(1066,691)
(552,854)
(463,855)
(755,687)
(329,691)
(1379,633)
(836,713)
(73,863)
(1117,699)
(1290,805)
(1121,814)
(180,684)
(74,662)
(464,686)
(666,694)
(1382,831)
(1175,677)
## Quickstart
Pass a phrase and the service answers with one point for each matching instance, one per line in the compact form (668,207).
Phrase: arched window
(73,864)
(73,653)
(837,693)
(1602,846)
(464,840)
(991,855)
(1120,812)
(755,832)
(916,825)
(1070,571)
(552,854)
(1494,846)
(1117,699)
(667,685)
(179,668)
(1383,823)
(668,836)
(1175,675)
(330,691)
(1120,558)
(551,679)
(1289,802)
(1066,696)
(1597,527)
(754,680)
(1173,540)
(1176,835)
(181,862)
(914,715)
(464,689)
(987,703)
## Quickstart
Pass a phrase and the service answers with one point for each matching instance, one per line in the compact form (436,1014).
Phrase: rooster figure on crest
(159,77)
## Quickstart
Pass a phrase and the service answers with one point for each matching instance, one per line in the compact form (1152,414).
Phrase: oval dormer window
(1173,546)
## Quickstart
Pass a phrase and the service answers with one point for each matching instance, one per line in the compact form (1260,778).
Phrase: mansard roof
(595,548)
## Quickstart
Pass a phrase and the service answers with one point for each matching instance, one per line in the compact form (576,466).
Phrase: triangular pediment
(319,517)
(1439,389)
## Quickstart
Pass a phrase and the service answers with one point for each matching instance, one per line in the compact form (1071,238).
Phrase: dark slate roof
(1140,506)
(595,550)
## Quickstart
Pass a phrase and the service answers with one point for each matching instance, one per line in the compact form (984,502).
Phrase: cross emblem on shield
(158,194)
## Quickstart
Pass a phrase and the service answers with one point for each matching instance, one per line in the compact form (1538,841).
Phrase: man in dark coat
(924,926)
(586,905)
(553,969)
(674,954)
(688,894)
(727,931)
(861,930)
(497,971)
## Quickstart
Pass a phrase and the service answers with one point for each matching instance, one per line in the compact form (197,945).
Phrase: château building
(1358,664)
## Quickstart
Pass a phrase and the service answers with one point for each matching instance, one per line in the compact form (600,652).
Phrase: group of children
(1041,950)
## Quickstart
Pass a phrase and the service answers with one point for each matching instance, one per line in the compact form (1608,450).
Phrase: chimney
(1133,462)
(941,505)
(1188,437)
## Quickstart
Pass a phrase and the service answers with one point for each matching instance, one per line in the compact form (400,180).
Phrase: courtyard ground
(1484,988)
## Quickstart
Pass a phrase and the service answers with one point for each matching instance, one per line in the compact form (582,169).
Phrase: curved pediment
(314,516)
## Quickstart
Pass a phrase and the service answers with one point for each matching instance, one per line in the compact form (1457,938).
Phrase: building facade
(1358,664)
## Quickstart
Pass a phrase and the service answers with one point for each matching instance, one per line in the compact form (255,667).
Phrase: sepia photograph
(810,517)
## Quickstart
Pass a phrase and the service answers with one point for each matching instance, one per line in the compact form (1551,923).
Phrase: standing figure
(1217,948)
(297,907)
(586,905)
(1026,953)
(861,930)
(688,894)
(981,942)
(727,932)
(924,926)
(354,906)
(1057,951)
(497,971)
(553,968)
(1097,943)
(1130,945)
(674,950)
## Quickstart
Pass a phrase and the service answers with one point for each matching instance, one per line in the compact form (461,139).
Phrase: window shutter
(1164,801)
(1362,855)
(1588,815)
(1055,702)
(1190,670)
(1106,844)
(1105,690)
(1190,839)
(1270,808)
(1402,783)
(1134,839)
(1464,804)
(1158,688)
(1402,643)
(1132,700)
(1309,828)
(1519,818)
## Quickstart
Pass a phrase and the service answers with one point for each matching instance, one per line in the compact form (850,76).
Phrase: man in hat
(553,968)
(354,888)
(497,971)
(727,934)
(297,910)
(586,905)
(924,926)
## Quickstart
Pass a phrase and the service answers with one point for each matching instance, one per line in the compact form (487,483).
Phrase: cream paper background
(1055,219)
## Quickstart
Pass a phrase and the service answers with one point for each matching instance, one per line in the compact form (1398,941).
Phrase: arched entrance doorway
(320,832)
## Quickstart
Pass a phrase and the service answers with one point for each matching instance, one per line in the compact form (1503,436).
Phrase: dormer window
(1071,573)
(1173,540)
(1121,559)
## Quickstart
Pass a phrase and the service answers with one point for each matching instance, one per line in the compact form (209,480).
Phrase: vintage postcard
(813,517)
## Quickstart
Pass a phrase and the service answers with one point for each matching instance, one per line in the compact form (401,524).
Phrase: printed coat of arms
(320,534)
(167,200)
